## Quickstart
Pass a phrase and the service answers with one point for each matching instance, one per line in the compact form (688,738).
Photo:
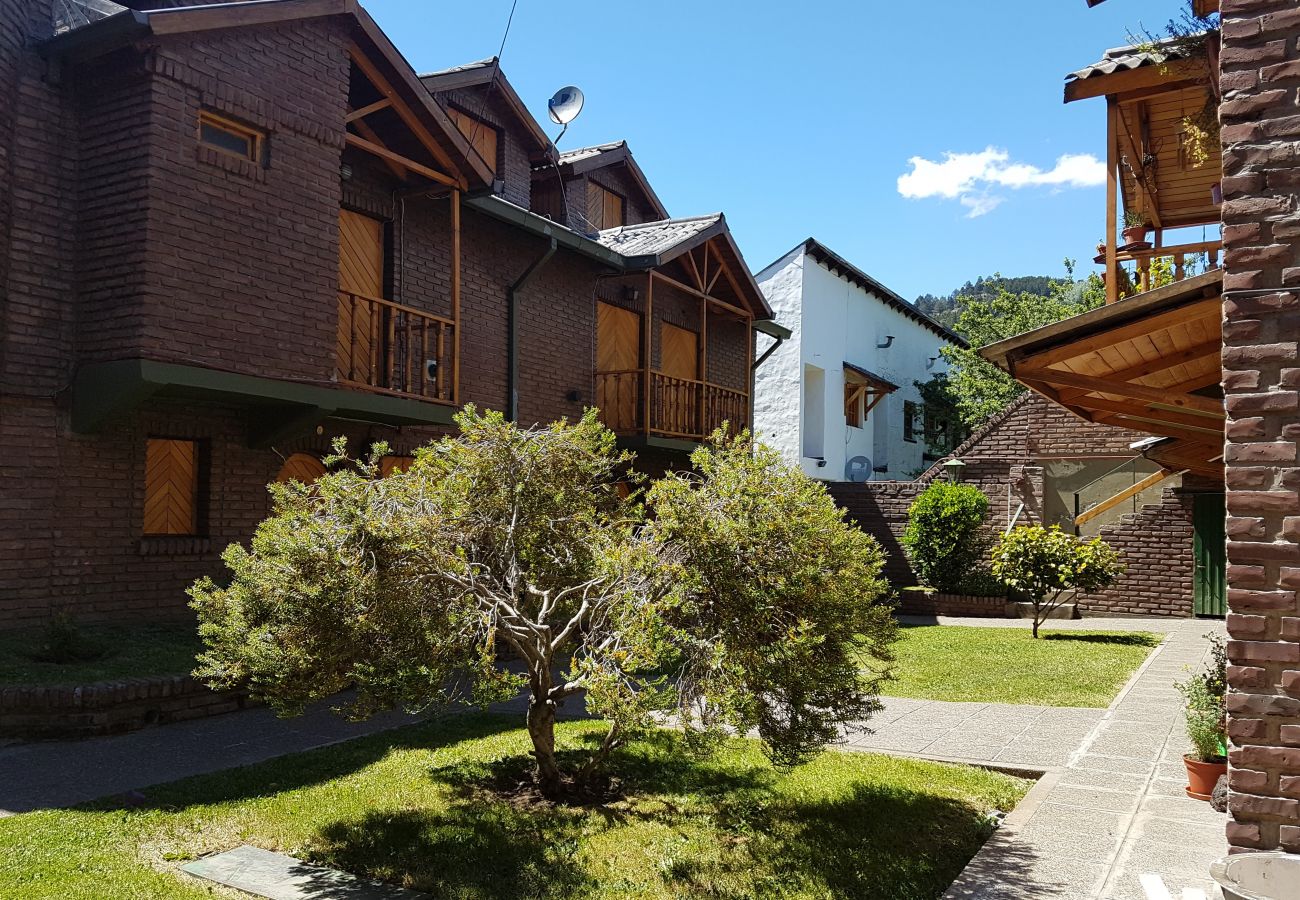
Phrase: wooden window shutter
(482,136)
(171,487)
(853,404)
(390,464)
(604,207)
(300,467)
(679,352)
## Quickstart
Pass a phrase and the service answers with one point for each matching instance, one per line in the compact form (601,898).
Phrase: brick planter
(928,603)
(110,707)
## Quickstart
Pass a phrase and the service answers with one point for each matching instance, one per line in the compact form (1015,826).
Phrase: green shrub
(944,537)
(1044,563)
(1203,706)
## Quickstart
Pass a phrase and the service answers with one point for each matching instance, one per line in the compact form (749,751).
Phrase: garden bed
(414,807)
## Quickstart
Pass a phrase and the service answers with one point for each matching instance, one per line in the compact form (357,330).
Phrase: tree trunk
(1039,614)
(541,728)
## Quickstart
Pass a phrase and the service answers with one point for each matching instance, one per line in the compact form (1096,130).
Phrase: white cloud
(970,178)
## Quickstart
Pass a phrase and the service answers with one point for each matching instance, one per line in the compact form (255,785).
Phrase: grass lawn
(1006,665)
(106,652)
(409,807)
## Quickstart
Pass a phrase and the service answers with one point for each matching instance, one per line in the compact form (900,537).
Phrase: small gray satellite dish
(565,105)
(858,469)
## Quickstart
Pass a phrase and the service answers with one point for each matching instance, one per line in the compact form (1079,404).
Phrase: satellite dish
(858,469)
(565,105)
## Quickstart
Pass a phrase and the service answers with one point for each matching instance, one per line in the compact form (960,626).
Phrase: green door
(1209,583)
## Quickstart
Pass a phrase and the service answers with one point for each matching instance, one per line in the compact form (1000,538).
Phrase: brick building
(231,232)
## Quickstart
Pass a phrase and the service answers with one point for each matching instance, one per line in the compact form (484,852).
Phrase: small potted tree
(1135,228)
(1045,564)
(1204,712)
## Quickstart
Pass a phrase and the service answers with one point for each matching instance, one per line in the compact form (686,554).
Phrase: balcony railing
(1178,255)
(394,349)
(679,407)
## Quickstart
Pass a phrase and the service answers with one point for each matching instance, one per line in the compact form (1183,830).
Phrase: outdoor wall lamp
(953,468)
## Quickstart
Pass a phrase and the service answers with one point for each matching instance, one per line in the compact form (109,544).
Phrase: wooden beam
(1136,410)
(384,153)
(455,294)
(1112,200)
(709,248)
(369,134)
(1201,309)
(1167,74)
(647,350)
(1164,429)
(1131,491)
(1167,361)
(357,114)
(425,137)
(668,279)
(1157,397)
(1139,171)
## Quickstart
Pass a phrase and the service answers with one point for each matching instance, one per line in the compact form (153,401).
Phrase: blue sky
(799,119)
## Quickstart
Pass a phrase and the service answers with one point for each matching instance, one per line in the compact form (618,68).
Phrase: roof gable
(584,160)
(486,74)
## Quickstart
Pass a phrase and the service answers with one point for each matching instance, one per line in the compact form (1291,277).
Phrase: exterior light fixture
(953,468)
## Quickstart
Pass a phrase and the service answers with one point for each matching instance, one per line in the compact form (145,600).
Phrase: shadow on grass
(735,835)
(1117,639)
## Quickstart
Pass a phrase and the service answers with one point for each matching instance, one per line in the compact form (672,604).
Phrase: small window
(605,209)
(911,420)
(171,487)
(481,136)
(228,136)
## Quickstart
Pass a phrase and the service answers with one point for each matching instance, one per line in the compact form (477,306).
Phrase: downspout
(776,342)
(512,329)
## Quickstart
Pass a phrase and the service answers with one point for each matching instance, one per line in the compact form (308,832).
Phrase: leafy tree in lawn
(982,390)
(1045,563)
(944,536)
(503,538)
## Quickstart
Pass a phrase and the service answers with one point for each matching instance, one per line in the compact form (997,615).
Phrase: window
(911,420)
(171,487)
(605,209)
(853,395)
(230,137)
(481,136)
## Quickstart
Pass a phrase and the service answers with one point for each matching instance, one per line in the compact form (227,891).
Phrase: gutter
(505,211)
(773,330)
(512,329)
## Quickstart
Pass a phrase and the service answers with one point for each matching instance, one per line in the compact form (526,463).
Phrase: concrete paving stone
(1122,782)
(279,877)
(1144,855)
(1183,834)
(898,743)
(1062,816)
(1184,809)
(1134,746)
(1044,839)
(1102,763)
(1089,798)
(965,750)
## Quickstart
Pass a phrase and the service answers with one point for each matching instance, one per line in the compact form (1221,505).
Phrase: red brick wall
(1260,64)
(512,164)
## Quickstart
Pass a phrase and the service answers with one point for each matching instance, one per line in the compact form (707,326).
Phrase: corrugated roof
(1124,59)
(570,156)
(654,238)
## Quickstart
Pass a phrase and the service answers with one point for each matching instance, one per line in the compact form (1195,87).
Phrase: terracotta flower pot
(1135,235)
(1203,776)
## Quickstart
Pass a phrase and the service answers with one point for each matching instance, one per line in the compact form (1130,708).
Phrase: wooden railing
(1177,254)
(679,407)
(394,349)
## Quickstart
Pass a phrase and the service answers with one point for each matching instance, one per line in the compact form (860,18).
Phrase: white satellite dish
(565,105)
(858,469)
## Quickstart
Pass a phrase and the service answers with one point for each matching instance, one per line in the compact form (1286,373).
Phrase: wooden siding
(171,481)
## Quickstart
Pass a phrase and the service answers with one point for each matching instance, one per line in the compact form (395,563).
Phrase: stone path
(1116,810)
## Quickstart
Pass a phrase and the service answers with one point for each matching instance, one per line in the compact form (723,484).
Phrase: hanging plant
(1200,137)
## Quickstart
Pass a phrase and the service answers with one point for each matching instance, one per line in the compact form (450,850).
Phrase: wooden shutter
(618,355)
(390,464)
(361,273)
(481,135)
(171,487)
(300,467)
(679,352)
(604,207)
(853,404)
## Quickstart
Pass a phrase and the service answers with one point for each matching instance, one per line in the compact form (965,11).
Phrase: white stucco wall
(835,321)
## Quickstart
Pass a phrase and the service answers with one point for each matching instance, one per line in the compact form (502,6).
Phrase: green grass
(1007,665)
(108,652)
(409,807)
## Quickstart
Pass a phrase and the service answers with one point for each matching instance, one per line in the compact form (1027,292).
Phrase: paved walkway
(1116,810)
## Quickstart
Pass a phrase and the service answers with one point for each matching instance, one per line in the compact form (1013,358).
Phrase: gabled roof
(123,28)
(838,265)
(488,71)
(878,381)
(1135,56)
(1166,63)
(573,163)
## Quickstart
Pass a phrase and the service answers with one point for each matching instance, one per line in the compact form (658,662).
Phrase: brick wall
(512,164)
(1260,63)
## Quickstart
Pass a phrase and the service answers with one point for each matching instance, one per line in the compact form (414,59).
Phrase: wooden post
(701,418)
(1112,199)
(455,296)
(749,374)
(647,349)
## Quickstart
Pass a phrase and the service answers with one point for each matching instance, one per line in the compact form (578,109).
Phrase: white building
(839,396)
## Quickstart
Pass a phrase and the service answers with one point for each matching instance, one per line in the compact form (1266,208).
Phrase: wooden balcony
(1148,265)
(680,408)
(389,348)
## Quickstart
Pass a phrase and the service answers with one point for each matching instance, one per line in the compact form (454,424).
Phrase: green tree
(944,428)
(1045,563)
(410,588)
(982,390)
(944,536)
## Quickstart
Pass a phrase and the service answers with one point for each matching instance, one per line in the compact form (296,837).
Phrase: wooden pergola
(1150,364)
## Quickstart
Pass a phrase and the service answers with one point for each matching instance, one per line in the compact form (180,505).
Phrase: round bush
(944,537)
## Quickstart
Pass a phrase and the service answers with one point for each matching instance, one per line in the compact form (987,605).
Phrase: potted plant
(1204,712)
(1135,227)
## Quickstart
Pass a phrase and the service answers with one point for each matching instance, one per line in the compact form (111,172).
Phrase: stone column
(1260,64)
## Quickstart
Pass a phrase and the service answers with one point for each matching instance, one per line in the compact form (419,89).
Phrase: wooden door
(361,274)
(677,397)
(1209,581)
(679,352)
(618,366)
